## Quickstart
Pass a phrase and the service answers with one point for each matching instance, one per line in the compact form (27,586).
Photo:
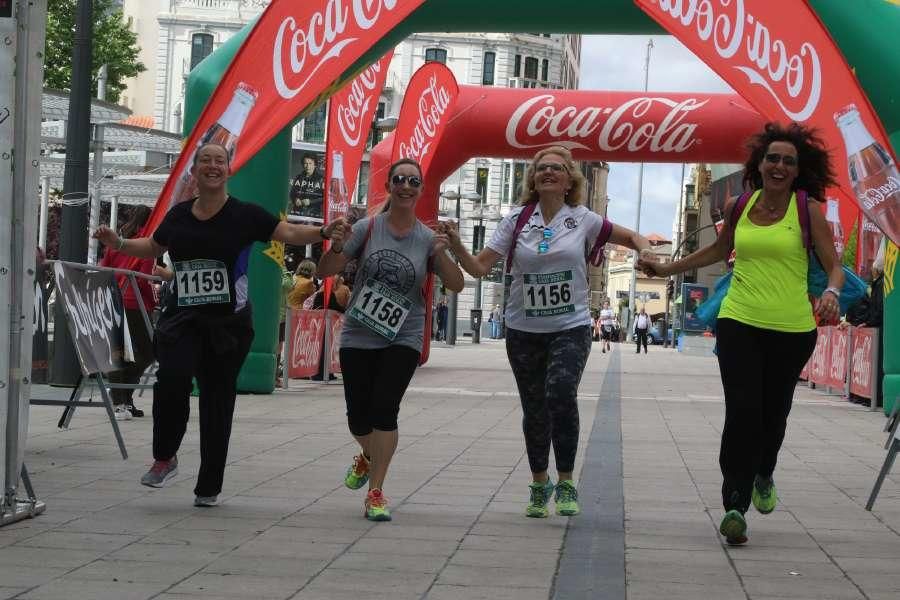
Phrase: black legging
(759,369)
(548,368)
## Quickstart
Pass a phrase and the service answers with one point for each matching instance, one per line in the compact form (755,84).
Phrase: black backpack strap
(526,213)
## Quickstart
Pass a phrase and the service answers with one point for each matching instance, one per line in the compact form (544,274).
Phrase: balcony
(525,82)
(243,10)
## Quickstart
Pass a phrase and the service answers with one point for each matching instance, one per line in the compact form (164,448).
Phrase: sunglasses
(787,159)
(555,167)
(413,180)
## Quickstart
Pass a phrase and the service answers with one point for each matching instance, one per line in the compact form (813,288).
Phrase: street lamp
(452,304)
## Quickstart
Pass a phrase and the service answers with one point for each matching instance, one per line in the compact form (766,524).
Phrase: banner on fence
(818,362)
(838,348)
(307,330)
(94,311)
(336,326)
(862,359)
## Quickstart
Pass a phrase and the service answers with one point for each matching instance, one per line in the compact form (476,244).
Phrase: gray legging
(548,368)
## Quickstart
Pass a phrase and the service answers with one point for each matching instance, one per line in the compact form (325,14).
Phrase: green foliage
(849,257)
(114,44)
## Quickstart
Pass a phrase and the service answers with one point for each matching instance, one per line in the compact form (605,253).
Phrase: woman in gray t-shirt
(385,322)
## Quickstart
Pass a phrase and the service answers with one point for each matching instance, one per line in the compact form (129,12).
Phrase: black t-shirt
(207,253)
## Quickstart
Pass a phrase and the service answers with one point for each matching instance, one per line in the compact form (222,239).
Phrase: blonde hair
(576,193)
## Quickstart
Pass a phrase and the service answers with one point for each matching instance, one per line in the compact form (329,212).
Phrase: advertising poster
(693,295)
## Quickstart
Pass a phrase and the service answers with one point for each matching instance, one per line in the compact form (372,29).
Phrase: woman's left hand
(828,309)
(439,243)
(335,231)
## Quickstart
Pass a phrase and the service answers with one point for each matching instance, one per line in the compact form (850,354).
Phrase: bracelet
(120,245)
(322,233)
(835,291)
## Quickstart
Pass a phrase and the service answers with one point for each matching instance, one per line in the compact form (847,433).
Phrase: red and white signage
(780,57)
(336,321)
(862,362)
(838,347)
(307,330)
(818,362)
(294,53)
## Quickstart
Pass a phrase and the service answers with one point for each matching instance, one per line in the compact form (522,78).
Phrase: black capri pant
(374,383)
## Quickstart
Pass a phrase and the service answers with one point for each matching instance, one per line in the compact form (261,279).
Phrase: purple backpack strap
(803,216)
(520,224)
(595,256)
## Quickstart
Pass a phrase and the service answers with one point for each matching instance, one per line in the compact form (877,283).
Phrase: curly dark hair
(815,172)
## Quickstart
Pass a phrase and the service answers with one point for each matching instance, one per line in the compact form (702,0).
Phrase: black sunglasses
(413,180)
(775,158)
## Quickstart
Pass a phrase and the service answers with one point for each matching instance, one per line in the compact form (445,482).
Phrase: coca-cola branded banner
(350,113)
(336,322)
(862,361)
(780,57)
(428,105)
(307,330)
(838,349)
(294,54)
(817,368)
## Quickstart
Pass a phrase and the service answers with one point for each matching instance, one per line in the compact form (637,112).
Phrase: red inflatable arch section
(608,126)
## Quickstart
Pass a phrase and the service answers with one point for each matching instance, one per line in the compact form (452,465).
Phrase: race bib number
(548,294)
(201,282)
(381,309)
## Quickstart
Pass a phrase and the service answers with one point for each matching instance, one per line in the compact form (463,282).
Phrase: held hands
(647,262)
(439,243)
(107,236)
(448,228)
(335,231)
(165,273)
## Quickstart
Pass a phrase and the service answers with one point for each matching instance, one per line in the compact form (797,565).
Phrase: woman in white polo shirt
(547,242)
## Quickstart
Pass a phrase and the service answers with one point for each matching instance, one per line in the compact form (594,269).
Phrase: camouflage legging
(548,368)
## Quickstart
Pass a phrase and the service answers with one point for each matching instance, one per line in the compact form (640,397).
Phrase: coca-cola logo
(306,345)
(615,128)
(431,105)
(793,79)
(860,372)
(320,39)
(838,356)
(872,197)
(817,363)
(350,113)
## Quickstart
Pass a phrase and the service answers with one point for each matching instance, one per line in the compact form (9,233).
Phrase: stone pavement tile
(132,571)
(28,575)
(705,558)
(66,588)
(399,530)
(167,553)
(649,590)
(525,527)
(10,592)
(829,589)
(134,523)
(788,569)
(47,557)
(209,521)
(318,592)
(289,549)
(240,585)
(388,562)
(361,581)
(753,551)
(203,538)
(678,571)
(334,535)
(103,542)
(474,592)
(406,547)
(265,566)
(456,574)
(694,540)
(499,558)
(507,543)
(428,497)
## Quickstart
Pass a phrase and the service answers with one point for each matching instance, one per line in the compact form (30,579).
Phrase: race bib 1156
(547,294)
(381,309)
(201,282)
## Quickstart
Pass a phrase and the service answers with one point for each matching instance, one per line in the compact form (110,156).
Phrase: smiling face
(402,192)
(778,176)
(551,175)
(211,167)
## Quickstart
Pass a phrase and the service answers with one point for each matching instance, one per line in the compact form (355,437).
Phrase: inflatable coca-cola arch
(780,56)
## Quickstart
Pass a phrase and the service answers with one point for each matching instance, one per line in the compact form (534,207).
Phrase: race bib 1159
(201,281)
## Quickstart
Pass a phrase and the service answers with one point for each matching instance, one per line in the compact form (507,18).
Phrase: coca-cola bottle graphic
(873,173)
(338,196)
(833,218)
(869,241)
(225,132)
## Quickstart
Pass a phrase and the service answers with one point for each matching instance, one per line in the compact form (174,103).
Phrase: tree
(849,257)
(114,44)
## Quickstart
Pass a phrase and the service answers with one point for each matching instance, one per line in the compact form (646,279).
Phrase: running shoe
(567,499)
(358,473)
(540,496)
(160,473)
(206,501)
(121,413)
(376,506)
(734,528)
(764,496)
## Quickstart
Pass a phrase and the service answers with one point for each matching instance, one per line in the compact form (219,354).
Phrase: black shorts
(374,384)
(606,332)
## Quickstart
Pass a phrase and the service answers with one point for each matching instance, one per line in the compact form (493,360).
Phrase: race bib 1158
(547,294)
(381,309)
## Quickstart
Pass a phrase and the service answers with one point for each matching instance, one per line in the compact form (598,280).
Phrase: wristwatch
(835,291)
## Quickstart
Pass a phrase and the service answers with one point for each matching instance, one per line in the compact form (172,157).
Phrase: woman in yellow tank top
(766,329)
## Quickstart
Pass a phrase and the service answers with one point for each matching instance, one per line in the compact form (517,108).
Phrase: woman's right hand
(449,228)
(165,273)
(653,268)
(107,236)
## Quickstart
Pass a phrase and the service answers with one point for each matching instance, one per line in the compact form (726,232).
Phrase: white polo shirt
(549,290)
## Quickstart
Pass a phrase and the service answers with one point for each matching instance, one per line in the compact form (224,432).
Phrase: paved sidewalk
(288,528)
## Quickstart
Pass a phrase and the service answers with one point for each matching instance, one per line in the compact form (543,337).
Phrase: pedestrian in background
(766,328)
(641,328)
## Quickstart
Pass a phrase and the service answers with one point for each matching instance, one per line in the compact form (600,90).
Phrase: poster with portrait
(308,183)
(693,295)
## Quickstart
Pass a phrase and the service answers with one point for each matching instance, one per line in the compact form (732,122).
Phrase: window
(377,135)
(531,67)
(518,177)
(314,125)
(517,66)
(436,55)
(478,238)
(545,69)
(487,73)
(201,47)
(481,183)
(507,176)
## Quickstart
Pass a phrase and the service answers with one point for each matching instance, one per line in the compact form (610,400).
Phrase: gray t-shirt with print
(401,264)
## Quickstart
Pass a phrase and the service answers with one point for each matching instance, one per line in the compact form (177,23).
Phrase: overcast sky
(616,62)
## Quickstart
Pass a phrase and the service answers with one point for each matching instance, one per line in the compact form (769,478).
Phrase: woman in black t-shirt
(206,329)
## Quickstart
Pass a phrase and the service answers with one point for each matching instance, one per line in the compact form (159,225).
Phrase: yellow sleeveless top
(768,288)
